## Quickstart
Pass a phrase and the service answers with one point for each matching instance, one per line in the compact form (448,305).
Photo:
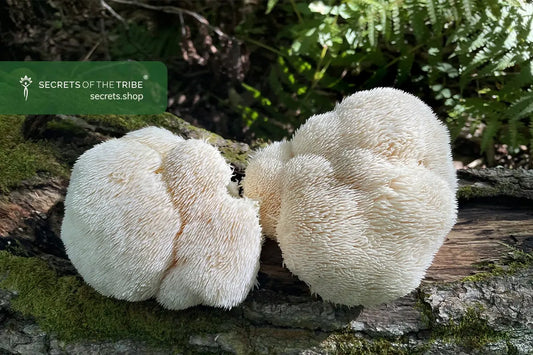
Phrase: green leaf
(319,7)
(489,133)
(270,6)
(404,67)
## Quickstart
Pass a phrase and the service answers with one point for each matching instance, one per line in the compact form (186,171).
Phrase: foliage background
(255,70)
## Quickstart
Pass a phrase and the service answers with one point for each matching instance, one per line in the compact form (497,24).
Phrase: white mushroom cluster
(361,198)
(152,215)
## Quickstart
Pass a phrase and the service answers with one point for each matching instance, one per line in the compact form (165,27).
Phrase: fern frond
(481,40)
(432,11)
(523,107)
(384,23)
(467,6)
(478,52)
(396,20)
(371,27)
(489,133)
(453,8)
(416,15)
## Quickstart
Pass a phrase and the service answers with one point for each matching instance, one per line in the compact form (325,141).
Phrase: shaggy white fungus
(149,215)
(361,198)
(263,182)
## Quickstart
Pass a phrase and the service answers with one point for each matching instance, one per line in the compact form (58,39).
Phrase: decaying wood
(30,218)
(485,232)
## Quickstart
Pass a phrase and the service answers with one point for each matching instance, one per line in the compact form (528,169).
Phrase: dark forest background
(254,70)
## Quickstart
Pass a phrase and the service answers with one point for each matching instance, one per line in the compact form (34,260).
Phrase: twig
(295,9)
(90,53)
(182,23)
(105,39)
(179,11)
(106,6)
(264,46)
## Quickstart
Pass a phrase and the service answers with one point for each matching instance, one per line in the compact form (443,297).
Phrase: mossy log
(477,296)
(498,182)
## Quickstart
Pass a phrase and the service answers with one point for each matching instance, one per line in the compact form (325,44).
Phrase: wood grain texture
(484,232)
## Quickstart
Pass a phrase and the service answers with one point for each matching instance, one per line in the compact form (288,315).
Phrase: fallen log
(477,295)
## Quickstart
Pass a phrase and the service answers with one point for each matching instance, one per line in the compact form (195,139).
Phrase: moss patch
(466,192)
(69,308)
(65,129)
(471,332)
(122,124)
(350,344)
(21,159)
(491,183)
(234,152)
(515,260)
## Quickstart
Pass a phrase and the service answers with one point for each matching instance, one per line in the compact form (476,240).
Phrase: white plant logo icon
(25,82)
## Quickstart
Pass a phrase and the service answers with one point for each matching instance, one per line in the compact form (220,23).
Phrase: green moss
(119,122)
(125,123)
(426,313)
(122,124)
(351,344)
(466,192)
(491,270)
(471,332)
(479,190)
(66,306)
(516,260)
(65,128)
(21,159)
(233,155)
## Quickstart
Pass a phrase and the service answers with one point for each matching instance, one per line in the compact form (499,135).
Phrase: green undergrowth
(516,260)
(64,305)
(21,159)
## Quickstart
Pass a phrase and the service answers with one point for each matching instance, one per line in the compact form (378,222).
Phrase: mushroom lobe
(361,198)
(149,215)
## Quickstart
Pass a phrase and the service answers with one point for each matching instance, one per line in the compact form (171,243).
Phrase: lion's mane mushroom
(150,215)
(361,198)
